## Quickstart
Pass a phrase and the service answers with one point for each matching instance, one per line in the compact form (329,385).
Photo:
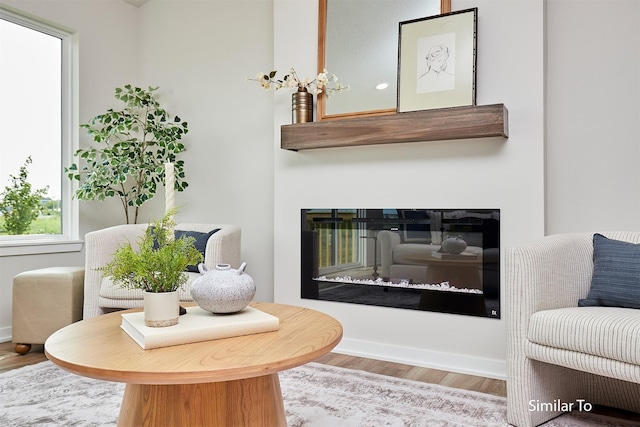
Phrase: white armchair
(559,353)
(102,296)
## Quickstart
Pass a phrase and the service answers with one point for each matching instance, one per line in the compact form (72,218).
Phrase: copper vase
(301,106)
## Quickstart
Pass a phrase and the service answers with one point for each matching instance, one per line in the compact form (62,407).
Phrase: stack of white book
(198,325)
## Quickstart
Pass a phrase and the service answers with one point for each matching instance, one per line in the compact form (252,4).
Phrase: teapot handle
(242,267)
(202,268)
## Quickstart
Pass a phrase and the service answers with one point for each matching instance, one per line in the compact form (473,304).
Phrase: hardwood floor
(416,373)
(9,360)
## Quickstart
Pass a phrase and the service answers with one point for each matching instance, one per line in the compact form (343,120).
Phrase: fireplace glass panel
(442,260)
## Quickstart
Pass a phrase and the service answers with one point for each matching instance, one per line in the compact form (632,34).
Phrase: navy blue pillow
(200,243)
(616,274)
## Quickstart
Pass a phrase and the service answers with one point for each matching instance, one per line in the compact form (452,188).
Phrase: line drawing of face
(438,76)
(437,58)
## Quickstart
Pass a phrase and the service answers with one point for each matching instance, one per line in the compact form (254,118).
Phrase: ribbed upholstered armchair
(102,296)
(558,352)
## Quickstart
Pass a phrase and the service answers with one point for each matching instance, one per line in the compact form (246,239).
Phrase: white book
(469,256)
(198,325)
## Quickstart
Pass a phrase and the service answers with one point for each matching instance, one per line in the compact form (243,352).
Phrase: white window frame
(68,240)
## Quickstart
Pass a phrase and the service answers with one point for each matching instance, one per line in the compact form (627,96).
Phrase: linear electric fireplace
(443,260)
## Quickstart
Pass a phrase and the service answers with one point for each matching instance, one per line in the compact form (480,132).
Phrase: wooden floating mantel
(429,125)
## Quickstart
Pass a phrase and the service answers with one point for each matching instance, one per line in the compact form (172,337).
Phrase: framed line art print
(437,61)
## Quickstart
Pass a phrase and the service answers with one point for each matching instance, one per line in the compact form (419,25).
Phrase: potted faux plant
(157,267)
(136,142)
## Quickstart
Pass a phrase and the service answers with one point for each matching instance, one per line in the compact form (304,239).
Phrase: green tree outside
(20,206)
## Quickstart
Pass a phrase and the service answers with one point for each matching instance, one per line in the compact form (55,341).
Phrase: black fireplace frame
(416,227)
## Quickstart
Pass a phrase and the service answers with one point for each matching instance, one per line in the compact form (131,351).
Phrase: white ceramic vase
(161,309)
(454,245)
(223,289)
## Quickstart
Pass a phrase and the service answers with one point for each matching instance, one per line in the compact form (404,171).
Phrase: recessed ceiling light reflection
(382,86)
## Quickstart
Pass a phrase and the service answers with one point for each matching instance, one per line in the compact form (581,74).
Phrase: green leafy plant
(20,206)
(160,262)
(137,141)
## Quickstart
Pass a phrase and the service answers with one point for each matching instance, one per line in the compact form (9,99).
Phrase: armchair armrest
(100,246)
(388,240)
(223,247)
(553,272)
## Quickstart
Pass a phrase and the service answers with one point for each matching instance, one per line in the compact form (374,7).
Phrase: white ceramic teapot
(454,245)
(223,289)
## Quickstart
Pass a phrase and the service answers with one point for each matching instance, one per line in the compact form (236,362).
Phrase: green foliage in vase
(160,262)
(137,141)
(20,205)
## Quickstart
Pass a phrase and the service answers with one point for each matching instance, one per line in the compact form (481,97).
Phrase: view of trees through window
(31,120)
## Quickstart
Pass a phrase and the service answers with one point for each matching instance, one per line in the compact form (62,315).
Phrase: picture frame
(437,61)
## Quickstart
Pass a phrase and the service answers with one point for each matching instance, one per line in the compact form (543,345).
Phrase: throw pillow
(200,243)
(616,274)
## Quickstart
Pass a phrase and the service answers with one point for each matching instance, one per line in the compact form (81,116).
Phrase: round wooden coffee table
(225,382)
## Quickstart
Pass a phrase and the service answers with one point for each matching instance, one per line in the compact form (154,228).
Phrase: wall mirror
(358,42)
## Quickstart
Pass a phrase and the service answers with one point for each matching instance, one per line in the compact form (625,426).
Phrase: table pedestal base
(248,402)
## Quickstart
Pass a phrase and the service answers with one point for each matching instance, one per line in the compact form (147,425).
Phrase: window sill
(36,247)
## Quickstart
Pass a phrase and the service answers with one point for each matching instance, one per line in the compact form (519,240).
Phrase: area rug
(315,395)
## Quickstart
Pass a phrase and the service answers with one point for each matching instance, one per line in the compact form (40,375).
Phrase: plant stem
(123,200)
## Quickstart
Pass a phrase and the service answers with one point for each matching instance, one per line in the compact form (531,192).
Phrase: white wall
(199,53)
(485,173)
(593,115)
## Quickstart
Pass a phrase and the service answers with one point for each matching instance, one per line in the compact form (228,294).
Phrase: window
(339,245)
(37,125)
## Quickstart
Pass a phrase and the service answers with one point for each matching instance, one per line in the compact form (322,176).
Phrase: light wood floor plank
(416,373)
(9,359)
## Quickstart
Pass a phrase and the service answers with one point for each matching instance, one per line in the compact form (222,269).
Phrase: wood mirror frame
(445,7)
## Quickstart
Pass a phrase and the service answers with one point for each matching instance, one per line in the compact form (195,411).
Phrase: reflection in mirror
(358,42)
(442,260)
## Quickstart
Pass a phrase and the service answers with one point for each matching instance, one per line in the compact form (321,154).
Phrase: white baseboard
(5,334)
(462,364)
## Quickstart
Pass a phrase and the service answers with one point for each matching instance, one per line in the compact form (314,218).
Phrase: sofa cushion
(609,332)
(200,243)
(616,274)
